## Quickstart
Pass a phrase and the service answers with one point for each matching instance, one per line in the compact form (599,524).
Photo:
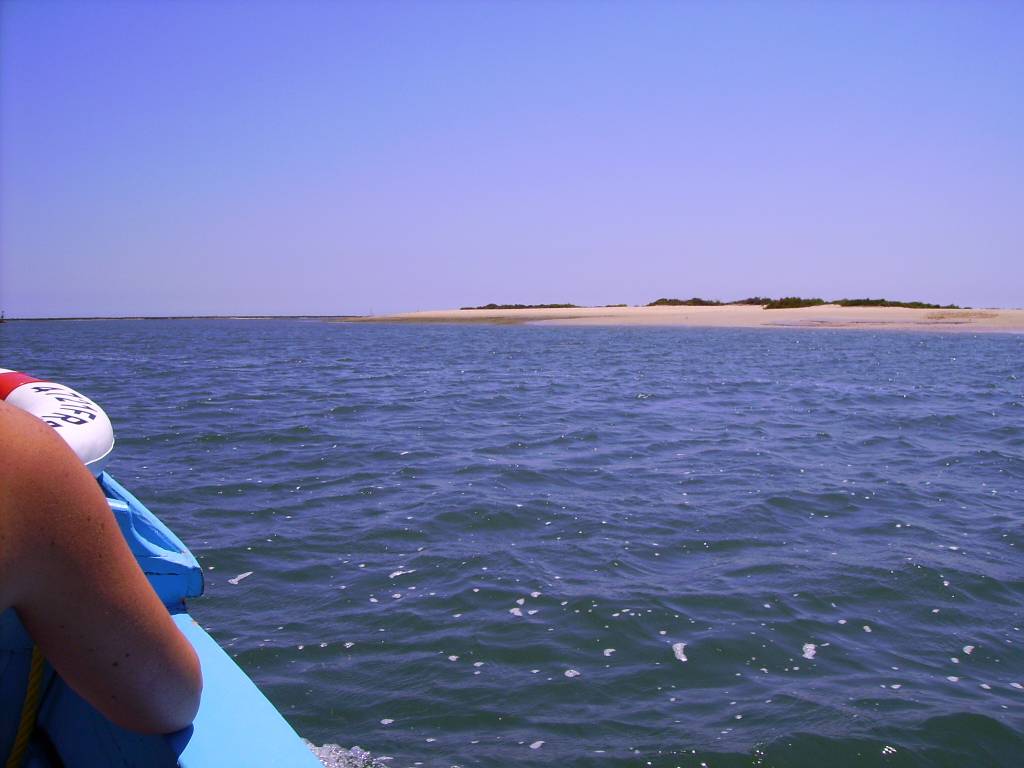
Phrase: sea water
(495,546)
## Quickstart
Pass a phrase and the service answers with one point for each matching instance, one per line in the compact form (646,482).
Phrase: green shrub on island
(793,302)
(887,303)
(524,306)
(694,302)
(699,302)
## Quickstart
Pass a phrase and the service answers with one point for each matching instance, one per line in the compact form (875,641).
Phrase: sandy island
(733,316)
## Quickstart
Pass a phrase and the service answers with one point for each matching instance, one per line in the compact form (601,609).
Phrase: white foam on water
(532,611)
(400,572)
(521,601)
(954,659)
(571,673)
(986,686)
(1018,686)
(478,663)
(810,650)
(968,649)
(335,756)
(387,721)
(349,644)
(841,621)
(953,678)
(535,595)
(608,651)
(537,745)
(453,658)
(866,628)
(896,686)
(239,577)
(516,611)
(679,651)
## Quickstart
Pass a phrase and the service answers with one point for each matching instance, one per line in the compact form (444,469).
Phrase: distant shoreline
(327,318)
(828,316)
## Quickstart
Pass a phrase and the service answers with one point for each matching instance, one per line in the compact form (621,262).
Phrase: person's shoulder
(30,449)
(35,463)
(23,451)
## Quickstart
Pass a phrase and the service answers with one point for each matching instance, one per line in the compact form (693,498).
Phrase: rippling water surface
(493,546)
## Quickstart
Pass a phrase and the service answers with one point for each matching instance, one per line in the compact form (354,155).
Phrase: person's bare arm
(70,575)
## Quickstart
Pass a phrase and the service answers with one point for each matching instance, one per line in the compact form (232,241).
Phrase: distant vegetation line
(698,302)
(786,302)
(790,302)
(525,306)
(887,303)
(793,302)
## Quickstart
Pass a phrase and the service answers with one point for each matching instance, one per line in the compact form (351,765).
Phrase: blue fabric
(15,658)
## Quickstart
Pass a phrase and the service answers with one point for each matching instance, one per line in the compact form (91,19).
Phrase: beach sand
(738,316)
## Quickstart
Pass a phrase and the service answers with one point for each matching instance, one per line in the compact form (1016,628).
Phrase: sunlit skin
(68,572)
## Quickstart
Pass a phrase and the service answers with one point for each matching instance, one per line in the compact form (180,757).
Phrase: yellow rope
(29,709)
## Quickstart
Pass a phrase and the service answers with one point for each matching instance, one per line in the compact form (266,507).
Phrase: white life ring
(76,418)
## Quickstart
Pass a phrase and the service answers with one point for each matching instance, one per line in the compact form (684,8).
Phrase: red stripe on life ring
(11,381)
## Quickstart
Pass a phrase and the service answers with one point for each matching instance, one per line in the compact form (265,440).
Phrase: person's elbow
(172,706)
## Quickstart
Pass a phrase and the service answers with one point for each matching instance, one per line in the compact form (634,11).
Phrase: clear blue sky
(343,157)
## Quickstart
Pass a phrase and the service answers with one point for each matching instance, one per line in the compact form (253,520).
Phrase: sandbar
(733,316)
